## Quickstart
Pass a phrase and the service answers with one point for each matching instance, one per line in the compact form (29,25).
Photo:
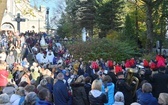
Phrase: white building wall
(37,19)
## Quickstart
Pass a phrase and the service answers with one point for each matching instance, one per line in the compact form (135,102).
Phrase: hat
(119,97)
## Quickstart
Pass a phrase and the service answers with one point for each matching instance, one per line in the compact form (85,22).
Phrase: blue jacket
(42,102)
(110,87)
(146,98)
(60,93)
(21,100)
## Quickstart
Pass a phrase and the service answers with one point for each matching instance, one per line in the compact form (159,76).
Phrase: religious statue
(84,34)
(43,43)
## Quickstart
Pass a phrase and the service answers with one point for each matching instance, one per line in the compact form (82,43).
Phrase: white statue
(84,34)
(43,42)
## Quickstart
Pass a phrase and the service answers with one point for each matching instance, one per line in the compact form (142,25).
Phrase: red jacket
(3,77)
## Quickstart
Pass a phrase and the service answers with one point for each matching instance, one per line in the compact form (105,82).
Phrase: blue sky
(52,4)
(54,11)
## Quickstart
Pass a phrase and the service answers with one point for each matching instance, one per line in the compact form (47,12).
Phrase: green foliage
(112,35)
(108,14)
(129,29)
(149,56)
(109,17)
(68,27)
(103,48)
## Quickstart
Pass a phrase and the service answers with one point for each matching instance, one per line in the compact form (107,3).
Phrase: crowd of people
(34,74)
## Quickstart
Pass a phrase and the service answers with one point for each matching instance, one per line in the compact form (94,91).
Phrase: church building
(30,18)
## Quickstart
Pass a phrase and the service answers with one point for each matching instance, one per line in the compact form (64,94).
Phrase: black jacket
(113,77)
(79,94)
(126,89)
(159,84)
(87,90)
(97,100)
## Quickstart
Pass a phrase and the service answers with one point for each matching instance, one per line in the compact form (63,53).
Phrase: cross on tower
(18,20)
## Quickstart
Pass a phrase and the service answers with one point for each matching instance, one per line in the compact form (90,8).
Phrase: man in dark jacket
(60,91)
(125,88)
(160,82)
(112,75)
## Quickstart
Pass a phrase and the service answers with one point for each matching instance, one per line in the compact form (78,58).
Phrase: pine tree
(108,15)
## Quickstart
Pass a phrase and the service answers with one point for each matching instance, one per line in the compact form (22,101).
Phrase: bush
(149,56)
(103,48)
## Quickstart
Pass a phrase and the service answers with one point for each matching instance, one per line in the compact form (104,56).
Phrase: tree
(67,27)
(129,29)
(109,15)
(150,5)
(85,15)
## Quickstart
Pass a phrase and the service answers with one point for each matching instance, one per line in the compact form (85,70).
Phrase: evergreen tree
(108,15)
(129,30)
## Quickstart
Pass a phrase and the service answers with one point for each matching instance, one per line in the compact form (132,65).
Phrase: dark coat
(126,89)
(113,77)
(89,70)
(159,84)
(87,90)
(60,93)
(96,97)
(24,53)
(79,94)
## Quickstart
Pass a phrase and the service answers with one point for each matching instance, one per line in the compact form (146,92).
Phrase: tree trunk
(3,5)
(149,24)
